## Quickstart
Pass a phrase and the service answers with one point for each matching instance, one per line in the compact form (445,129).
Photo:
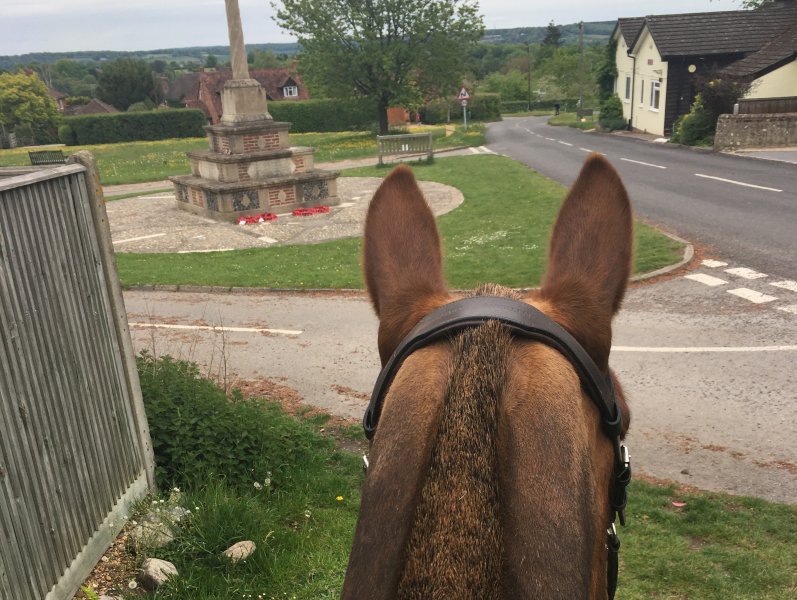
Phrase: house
(93,107)
(659,58)
(59,97)
(203,89)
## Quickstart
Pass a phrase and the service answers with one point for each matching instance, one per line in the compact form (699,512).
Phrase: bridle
(525,321)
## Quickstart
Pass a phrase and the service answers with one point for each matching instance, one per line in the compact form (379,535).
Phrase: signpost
(463,99)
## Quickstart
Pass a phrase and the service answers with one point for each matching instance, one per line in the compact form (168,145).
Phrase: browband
(523,320)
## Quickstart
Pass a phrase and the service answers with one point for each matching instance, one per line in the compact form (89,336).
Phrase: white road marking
(706,279)
(136,239)
(216,328)
(687,349)
(752,295)
(550,139)
(786,284)
(792,308)
(734,182)
(639,162)
(486,150)
(714,263)
(745,273)
(585,149)
(564,143)
(200,251)
(473,150)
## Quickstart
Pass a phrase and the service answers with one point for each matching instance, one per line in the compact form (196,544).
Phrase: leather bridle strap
(523,320)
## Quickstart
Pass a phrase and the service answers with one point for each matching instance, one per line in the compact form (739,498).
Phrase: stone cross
(243,100)
(240,69)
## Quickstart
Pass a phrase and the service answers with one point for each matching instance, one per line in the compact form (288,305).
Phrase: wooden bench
(47,157)
(585,112)
(409,143)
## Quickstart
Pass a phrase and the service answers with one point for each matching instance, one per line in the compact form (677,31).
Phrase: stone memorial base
(249,169)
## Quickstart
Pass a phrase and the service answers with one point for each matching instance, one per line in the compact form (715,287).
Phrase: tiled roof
(724,32)
(629,28)
(772,56)
(94,107)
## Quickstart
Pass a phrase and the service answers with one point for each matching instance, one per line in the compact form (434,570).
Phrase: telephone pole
(580,66)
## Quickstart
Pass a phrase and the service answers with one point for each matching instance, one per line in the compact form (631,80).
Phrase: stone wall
(735,132)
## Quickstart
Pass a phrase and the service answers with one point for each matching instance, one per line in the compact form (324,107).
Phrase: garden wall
(735,132)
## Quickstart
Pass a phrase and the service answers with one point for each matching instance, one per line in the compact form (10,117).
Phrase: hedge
(130,127)
(331,114)
(481,107)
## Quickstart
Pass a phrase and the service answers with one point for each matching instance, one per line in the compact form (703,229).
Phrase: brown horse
(491,474)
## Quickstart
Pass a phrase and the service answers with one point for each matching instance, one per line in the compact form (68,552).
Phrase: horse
(495,471)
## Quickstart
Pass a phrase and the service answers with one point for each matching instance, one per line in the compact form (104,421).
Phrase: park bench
(47,157)
(404,144)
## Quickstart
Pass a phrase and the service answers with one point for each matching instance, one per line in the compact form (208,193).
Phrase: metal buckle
(366,464)
(613,544)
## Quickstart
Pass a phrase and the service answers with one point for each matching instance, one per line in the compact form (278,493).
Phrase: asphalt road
(680,189)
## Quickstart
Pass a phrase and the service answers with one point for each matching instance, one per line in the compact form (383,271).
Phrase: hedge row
(333,114)
(130,127)
(481,107)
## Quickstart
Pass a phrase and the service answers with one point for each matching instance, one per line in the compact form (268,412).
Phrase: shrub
(66,135)
(611,114)
(137,126)
(481,107)
(198,432)
(696,128)
(330,114)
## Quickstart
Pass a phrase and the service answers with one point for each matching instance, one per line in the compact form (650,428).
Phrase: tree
(26,105)
(381,49)
(211,62)
(553,36)
(264,59)
(125,81)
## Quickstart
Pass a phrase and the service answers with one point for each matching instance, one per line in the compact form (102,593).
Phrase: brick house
(203,89)
(658,58)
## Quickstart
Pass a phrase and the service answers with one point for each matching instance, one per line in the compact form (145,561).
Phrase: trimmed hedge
(330,114)
(132,127)
(481,107)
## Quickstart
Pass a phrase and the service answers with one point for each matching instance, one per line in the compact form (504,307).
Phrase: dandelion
(258,485)
(132,584)
(307,514)
(339,498)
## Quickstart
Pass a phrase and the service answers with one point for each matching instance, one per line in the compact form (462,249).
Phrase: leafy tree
(512,86)
(553,36)
(606,72)
(380,49)
(211,62)
(26,106)
(264,59)
(125,81)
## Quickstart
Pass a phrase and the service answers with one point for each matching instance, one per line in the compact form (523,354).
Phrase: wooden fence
(768,106)
(75,451)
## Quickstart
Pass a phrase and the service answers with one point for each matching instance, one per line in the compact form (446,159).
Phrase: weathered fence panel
(404,144)
(768,106)
(75,451)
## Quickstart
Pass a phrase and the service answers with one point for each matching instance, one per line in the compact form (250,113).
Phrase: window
(655,92)
(642,92)
(290,91)
(627,89)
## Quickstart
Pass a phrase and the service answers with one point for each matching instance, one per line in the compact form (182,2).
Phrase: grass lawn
(302,511)
(572,120)
(499,234)
(137,162)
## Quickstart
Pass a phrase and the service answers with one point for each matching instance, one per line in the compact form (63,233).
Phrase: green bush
(330,114)
(611,114)
(198,432)
(514,106)
(66,135)
(696,128)
(137,126)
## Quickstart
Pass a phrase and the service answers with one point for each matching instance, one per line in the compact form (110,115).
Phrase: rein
(527,322)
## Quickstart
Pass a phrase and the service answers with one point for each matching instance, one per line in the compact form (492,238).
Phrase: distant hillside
(594,33)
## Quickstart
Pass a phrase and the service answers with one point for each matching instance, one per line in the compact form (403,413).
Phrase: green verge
(572,120)
(302,511)
(499,234)
(137,162)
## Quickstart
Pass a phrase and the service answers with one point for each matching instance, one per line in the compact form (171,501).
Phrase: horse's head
(491,472)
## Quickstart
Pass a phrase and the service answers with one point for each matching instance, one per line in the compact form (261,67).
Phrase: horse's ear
(590,257)
(401,258)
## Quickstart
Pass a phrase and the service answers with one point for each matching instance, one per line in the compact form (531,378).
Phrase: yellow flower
(339,498)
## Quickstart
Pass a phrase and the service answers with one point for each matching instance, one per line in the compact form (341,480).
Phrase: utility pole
(528,55)
(580,66)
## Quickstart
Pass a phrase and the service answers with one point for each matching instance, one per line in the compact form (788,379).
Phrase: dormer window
(290,91)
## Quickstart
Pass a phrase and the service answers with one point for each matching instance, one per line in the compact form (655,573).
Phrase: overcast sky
(71,25)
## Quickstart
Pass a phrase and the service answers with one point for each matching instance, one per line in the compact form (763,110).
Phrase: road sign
(463,94)
(464,102)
